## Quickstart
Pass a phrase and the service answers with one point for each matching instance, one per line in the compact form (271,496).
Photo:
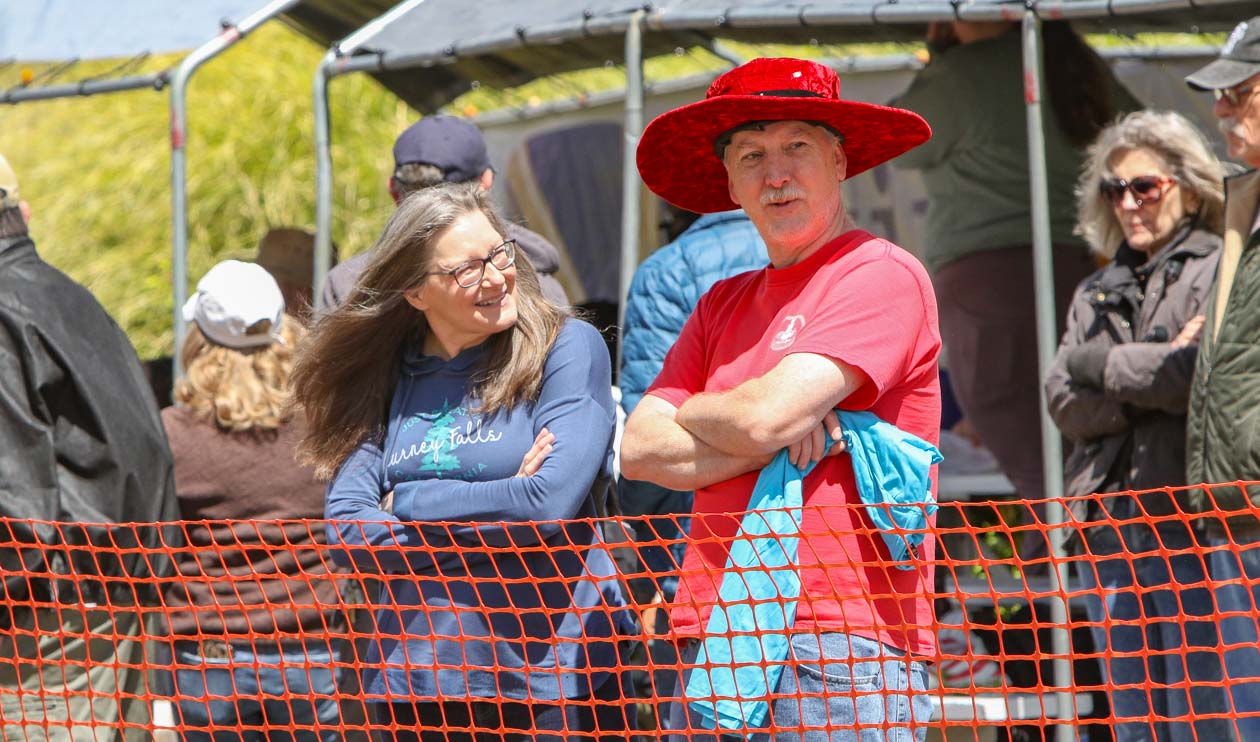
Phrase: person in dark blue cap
(446,149)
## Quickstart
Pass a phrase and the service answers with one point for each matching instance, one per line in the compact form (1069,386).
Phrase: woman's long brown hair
(345,374)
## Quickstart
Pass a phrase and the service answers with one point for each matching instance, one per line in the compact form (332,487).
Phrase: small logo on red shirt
(792,324)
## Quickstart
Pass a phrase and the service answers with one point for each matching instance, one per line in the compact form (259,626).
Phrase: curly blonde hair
(239,389)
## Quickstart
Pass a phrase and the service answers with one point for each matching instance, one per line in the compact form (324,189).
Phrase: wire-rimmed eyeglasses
(469,274)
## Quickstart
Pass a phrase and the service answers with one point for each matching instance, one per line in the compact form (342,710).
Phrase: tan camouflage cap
(8,185)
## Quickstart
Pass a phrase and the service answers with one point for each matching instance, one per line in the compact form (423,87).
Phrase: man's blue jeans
(840,687)
(1153,622)
(1235,571)
(276,693)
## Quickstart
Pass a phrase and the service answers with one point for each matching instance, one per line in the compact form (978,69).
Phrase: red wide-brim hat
(676,154)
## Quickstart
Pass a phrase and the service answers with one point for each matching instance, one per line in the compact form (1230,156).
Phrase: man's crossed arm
(715,436)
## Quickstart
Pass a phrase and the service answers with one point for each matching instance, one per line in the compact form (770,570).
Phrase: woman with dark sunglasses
(1151,202)
(461,414)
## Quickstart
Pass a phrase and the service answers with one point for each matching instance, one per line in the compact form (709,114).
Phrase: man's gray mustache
(1228,124)
(786,193)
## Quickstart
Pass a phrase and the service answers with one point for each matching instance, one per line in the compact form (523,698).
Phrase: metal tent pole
(85,88)
(332,64)
(323,175)
(179,163)
(1051,453)
(633,127)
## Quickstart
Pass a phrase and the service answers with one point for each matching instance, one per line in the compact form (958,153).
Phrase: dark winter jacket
(1118,389)
(1223,437)
(80,441)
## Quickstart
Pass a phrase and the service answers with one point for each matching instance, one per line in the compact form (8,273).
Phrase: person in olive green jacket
(1223,432)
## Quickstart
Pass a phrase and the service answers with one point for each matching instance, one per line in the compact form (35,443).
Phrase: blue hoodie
(503,608)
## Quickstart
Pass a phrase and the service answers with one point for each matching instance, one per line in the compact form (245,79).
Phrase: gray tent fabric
(60,30)
(577,206)
(503,43)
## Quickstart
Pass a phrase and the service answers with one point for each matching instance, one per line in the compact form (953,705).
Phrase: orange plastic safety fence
(1135,619)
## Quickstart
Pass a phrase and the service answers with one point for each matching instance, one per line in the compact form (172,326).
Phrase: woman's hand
(813,447)
(1190,333)
(536,454)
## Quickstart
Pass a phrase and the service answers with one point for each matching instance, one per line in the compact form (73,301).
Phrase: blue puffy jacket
(665,289)
(669,284)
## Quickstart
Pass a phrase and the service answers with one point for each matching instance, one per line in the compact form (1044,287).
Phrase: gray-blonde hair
(1172,138)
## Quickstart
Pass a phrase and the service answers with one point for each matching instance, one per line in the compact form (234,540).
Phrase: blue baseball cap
(449,143)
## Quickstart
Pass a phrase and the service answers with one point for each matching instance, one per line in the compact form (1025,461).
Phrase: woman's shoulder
(578,341)
(577,333)
(1202,253)
(1203,242)
(181,422)
(186,429)
(1095,280)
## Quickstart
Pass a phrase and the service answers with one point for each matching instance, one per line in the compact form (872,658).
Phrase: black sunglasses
(1145,189)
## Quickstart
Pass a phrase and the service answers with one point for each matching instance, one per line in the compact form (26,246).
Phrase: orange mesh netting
(1164,599)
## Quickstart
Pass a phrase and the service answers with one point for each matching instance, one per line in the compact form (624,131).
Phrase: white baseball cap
(233,298)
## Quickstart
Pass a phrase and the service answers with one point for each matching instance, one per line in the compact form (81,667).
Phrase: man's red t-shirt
(868,303)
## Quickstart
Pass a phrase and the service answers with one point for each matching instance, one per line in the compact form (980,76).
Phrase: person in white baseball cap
(271,642)
(238,305)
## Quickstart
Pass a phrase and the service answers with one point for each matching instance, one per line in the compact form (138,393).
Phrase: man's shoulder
(1242,182)
(347,271)
(867,248)
(729,249)
(341,279)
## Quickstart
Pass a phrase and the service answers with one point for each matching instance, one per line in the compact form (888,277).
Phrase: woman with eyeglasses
(1151,203)
(457,411)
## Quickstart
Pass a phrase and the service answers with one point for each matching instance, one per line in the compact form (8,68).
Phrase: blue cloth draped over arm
(747,638)
(893,473)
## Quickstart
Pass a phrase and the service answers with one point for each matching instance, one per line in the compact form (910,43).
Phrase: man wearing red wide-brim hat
(839,319)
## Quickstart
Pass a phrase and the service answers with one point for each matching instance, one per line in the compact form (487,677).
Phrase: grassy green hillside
(97,172)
